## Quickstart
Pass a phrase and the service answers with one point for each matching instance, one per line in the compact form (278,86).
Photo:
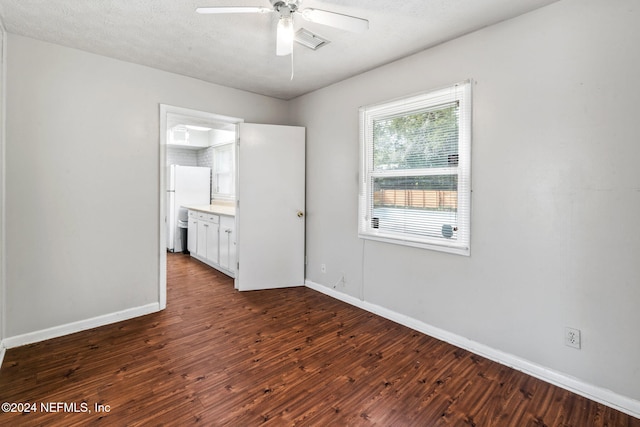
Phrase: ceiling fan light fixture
(284,36)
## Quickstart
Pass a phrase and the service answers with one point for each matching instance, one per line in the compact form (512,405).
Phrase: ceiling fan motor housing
(289,6)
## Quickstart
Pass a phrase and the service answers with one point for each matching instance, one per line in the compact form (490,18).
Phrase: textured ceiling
(239,50)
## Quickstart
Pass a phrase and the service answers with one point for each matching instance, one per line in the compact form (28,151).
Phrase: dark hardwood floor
(280,357)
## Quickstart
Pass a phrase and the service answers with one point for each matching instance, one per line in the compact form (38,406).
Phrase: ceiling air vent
(310,40)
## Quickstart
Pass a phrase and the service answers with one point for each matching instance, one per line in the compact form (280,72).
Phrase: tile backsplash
(182,157)
(204,157)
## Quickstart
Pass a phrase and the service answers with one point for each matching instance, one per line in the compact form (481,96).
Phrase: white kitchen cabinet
(201,244)
(212,240)
(208,237)
(192,234)
(227,243)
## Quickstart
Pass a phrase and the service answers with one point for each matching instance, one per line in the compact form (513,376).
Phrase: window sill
(451,249)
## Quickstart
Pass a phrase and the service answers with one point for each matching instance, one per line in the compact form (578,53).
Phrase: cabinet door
(227,243)
(192,236)
(201,244)
(212,242)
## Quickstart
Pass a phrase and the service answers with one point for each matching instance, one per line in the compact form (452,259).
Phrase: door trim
(3,136)
(165,109)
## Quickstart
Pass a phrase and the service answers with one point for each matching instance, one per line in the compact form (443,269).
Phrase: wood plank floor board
(284,357)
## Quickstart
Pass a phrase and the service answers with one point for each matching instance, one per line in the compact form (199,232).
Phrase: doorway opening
(192,139)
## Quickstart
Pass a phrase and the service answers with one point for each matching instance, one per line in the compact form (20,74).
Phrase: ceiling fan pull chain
(291,64)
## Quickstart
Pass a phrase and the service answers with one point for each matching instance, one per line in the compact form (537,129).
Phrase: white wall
(554,159)
(82,180)
(556,192)
(2,191)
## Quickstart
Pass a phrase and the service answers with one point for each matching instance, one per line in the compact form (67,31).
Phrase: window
(224,186)
(415,186)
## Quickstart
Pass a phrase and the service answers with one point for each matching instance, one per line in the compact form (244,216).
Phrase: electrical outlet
(323,268)
(572,337)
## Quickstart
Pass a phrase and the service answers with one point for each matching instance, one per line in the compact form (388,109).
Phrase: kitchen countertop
(216,208)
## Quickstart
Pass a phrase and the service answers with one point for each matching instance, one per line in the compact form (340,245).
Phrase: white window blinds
(415,184)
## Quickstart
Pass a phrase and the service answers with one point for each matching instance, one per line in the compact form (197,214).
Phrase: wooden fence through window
(426,199)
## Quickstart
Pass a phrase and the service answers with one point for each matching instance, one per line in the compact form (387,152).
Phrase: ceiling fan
(287,9)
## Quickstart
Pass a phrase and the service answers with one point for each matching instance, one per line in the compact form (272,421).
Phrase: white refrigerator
(186,185)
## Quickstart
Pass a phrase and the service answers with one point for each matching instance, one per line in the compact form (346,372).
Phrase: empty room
(319,212)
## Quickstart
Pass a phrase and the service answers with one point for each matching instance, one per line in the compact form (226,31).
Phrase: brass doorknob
(300,214)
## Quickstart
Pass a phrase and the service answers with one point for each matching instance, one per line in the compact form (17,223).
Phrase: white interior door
(270,216)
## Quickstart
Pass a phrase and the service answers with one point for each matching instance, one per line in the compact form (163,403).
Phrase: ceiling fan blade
(233,9)
(337,20)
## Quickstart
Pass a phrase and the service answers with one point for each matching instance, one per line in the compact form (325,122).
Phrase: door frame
(165,109)
(3,136)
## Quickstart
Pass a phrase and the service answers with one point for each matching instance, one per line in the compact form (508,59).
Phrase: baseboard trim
(82,325)
(601,395)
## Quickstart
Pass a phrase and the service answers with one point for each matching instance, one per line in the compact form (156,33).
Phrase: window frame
(460,93)
(217,150)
